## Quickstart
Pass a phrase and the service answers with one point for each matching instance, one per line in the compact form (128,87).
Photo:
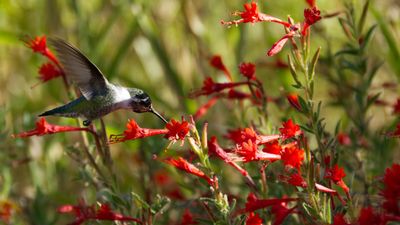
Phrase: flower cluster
(51,69)
(229,90)
(252,15)
(85,213)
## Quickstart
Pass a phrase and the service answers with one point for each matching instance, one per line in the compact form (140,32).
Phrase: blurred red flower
(343,139)
(253,203)
(204,108)
(277,46)
(48,71)
(281,211)
(293,99)
(216,62)
(253,219)
(391,190)
(368,216)
(182,164)
(248,70)
(43,128)
(187,218)
(296,179)
(84,213)
(210,87)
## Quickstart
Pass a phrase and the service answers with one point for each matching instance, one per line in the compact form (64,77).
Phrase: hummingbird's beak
(152,110)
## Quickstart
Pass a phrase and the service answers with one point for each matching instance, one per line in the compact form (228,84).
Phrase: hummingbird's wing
(79,69)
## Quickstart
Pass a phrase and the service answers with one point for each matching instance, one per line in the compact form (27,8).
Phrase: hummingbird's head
(141,102)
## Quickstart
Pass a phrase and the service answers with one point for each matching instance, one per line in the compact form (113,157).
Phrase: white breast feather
(122,97)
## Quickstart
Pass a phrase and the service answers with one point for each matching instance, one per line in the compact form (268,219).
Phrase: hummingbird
(99,96)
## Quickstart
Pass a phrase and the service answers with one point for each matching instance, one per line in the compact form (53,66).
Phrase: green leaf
(314,63)
(363,17)
(368,37)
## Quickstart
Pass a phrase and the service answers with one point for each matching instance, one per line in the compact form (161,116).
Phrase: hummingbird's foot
(87,123)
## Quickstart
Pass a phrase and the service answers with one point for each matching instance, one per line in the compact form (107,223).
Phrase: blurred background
(162,47)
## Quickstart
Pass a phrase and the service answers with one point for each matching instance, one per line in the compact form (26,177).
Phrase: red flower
(214,148)
(39,45)
(395,133)
(311,16)
(368,216)
(277,46)
(242,135)
(204,108)
(293,99)
(210,87)
(248,151)
(396,107)
(233,94)
(187,218)
(217,63)
(273,148)
(253,219)
(336,174)
(133,131)
(289,129)
(338,219)
(43,128)
(297,180)
(251,15)
(292,157)
(343,139)
(177,130)
(84,213)
(48,71)
(254,204)
(281,211)
(248,70)
(391,191)
(6,210)
(182,164)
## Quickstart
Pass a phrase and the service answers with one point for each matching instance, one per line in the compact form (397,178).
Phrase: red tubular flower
(177,130)
(311,16)
(338,219)
(48,71)
(254,204)
(210,87)
(248,70)
(395,133)
(396,107)
(38,44)
(133,131)
(248,151)
(204,108)
(343,139)
(84,213)
(292,157)
(251,15)
(297,180)
(182,164)
(289,129)
(277,46)
(187,218)
(281,211)
(293,99)
(43,128)
(253,219)
(214,148)
(391,191)
(336,174)
(216,62)
(233,94)
(273,148)
(368,216)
